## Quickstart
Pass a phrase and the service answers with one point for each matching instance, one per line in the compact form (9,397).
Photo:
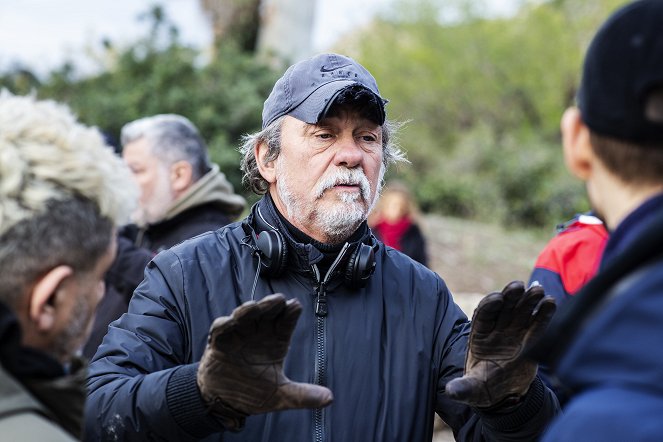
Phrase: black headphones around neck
(272,250)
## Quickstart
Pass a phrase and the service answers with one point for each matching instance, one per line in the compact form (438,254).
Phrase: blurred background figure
(62,192)
(572,257)
(395,222)
(182,195)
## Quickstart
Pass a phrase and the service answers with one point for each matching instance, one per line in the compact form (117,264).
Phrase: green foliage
(518,181)
(483,97)
(158,74)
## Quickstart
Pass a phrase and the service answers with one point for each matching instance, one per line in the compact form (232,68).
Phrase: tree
(223,97)
(237,20)
(483,97)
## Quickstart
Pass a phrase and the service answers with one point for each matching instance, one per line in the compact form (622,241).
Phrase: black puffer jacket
(386,351)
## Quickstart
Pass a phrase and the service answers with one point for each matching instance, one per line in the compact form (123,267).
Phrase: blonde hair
(396,187)
(46,155)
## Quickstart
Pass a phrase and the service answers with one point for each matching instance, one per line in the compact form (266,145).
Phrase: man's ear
(267,169)
(578,154)
(42,297)
(181,176)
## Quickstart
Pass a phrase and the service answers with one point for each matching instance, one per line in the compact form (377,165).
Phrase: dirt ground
(479,258)
(475,259)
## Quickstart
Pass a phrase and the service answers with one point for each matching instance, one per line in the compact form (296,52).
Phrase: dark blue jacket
(614,366)
(386,352)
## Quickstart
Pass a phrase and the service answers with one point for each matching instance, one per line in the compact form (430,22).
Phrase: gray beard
(342,220)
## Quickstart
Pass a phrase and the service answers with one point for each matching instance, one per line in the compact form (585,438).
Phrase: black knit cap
(623,65)
(308,88)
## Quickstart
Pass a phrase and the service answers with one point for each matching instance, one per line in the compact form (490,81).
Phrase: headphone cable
(255,279)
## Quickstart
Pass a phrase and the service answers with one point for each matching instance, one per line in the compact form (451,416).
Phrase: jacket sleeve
(141,383)
(524,422)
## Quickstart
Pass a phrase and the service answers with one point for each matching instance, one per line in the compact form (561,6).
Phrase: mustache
(345,177)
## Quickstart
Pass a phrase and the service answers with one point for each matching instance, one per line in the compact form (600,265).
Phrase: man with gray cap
(300,290)
(605,342)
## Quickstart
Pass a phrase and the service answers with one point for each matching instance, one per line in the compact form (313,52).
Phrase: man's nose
(349,152)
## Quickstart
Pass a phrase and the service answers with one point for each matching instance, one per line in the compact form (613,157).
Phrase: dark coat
(612,368)
(386,351)
(135,249)
(122,278)
(38,400)
(208,204)
(187,224)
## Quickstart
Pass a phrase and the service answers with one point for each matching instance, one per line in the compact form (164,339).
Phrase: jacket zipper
(320,377)
(321,311)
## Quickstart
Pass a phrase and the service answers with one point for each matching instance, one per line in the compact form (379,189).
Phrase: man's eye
(368,138)
(325,136)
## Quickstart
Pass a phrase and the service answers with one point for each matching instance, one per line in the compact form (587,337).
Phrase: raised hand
(503,326)
(241,371)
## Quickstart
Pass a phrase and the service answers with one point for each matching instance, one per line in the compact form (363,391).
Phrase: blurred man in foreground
(62,193)
(605,341)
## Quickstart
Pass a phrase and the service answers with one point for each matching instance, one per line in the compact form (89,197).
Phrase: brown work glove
(504,324)
(241,371)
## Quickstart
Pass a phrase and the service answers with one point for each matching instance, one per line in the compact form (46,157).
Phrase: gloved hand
(241,371)
(503,326)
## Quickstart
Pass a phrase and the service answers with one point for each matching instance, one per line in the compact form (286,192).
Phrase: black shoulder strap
(575,312)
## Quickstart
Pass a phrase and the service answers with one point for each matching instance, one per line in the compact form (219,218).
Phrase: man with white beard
(302,290)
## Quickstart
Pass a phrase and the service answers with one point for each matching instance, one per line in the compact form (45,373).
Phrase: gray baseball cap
(308,88)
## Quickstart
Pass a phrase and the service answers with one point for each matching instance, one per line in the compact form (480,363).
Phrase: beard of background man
(153,208)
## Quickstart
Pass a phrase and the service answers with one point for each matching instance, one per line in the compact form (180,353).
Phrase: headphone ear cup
(274,252)
(360,267)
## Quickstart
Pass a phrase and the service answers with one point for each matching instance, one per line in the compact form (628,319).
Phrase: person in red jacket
(572,257)
(395,222)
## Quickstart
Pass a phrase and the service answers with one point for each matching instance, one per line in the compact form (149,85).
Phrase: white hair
(45,154)
(171,138)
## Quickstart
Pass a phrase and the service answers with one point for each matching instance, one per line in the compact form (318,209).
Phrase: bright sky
(41,33)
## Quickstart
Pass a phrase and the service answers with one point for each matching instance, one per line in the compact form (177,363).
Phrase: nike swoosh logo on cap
(331,69)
